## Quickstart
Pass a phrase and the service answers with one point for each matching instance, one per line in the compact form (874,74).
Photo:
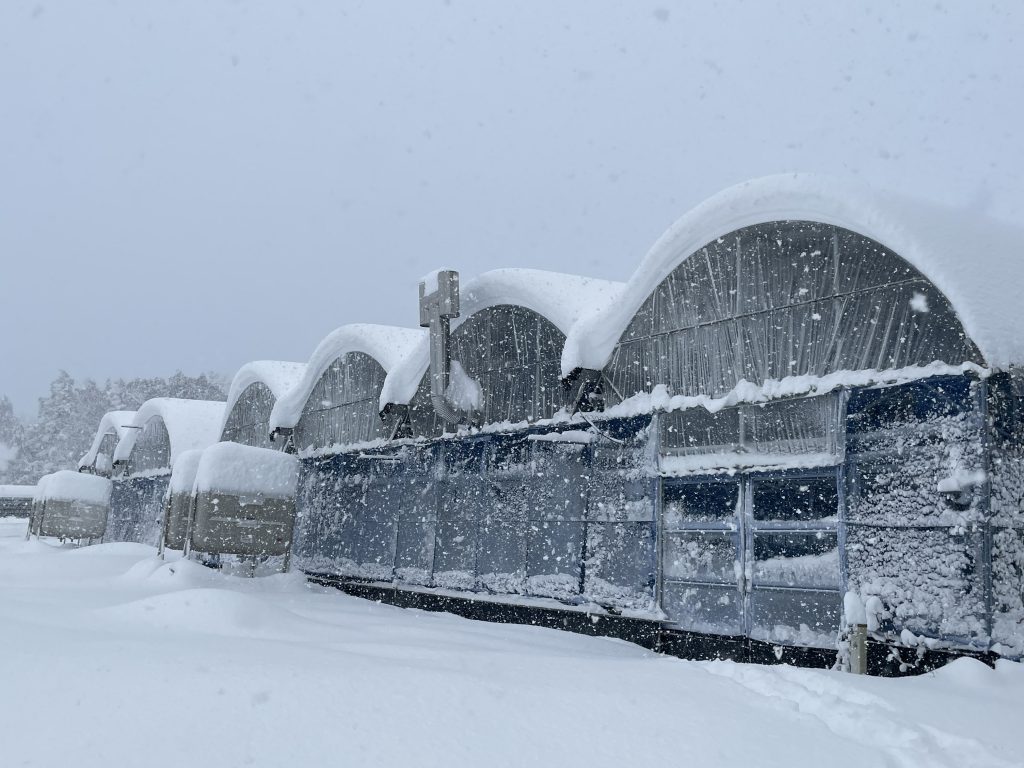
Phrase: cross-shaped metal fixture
(439,303)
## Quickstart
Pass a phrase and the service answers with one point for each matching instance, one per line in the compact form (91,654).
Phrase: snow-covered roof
(112,423)
(68,485)
(17,491)
(41,487)
(278,376)
(388,345)
(563,299)
(183,471)
(245,469)
(977,263)
(189,423)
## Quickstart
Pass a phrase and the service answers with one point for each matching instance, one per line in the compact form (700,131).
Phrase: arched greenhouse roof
(388,345)
(975,262)
(562,299)
(280,377)
(113,422)
(189,423)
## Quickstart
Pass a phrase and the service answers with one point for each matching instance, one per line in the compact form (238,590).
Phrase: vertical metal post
(187,549)
(655,487)
(437,306)
(983,422)
(859,649)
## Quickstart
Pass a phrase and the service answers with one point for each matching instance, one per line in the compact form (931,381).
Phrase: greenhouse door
(757,556)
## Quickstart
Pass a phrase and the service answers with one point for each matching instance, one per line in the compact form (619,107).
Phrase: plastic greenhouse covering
(343,406)
(784,299)
(463,514)
(514,355)
(756,514)
(248,423)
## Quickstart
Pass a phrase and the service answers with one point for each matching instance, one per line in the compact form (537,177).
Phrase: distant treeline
(69,415)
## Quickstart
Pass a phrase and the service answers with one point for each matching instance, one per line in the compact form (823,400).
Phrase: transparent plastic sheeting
(759,553)
(152,449)
(511,352)
(514,354)
(137,509)
(757,556)
(248,422)
(104,463)
(784,299)
(783,428)
(500,514)
(343,407)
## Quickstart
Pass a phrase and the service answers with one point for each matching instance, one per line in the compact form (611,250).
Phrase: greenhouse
(16,500)
(254,391)
(244,502)
(70,506)
(798,414)
(163,428)
(796,427)
(251,398)
(99,460)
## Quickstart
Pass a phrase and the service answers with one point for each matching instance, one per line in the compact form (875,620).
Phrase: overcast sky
(198,184)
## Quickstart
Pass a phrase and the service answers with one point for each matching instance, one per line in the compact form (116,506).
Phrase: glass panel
(796,499)
(795,617)
(696,431)
(377,529)
(796,559)
(415,551)
(869,410)
(803,425)
(690,504)
(704,607)
(501,560)
(620,566)
(553,557)
(137,509)
(455,554)
(702,556)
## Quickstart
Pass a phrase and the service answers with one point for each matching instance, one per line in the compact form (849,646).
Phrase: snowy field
(112,657)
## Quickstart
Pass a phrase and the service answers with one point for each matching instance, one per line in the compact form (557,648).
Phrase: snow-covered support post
(859,649)
(855,617)
(439,303)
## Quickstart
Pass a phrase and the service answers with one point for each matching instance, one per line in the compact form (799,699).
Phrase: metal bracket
(439,303)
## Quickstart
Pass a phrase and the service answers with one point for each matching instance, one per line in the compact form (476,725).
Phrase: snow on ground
(111,657)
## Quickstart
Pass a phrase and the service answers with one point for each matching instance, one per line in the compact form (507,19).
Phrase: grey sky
(198,184)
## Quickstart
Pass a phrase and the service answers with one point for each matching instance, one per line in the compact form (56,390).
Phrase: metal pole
(859,649)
